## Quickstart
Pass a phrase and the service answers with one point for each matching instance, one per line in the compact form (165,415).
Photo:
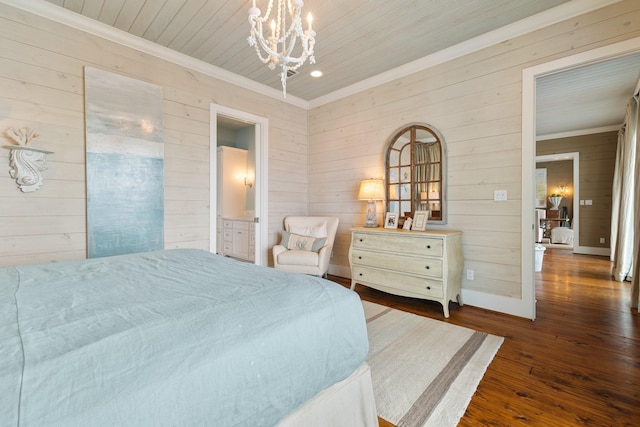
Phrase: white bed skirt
(347,403)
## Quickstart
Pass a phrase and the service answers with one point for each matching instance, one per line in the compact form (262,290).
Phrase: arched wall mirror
(415,163)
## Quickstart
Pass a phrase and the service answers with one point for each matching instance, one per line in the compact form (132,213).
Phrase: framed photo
(391,220)
(407,224)
(420,220)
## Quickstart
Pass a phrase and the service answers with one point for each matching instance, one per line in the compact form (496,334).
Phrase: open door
(254,176)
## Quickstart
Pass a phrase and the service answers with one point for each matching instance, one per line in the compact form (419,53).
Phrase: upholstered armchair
(306,245)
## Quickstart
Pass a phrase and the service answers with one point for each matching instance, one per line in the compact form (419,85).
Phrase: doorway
(251,135)
(529,77)
(574,189)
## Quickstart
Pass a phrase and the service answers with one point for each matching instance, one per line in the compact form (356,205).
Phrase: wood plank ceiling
(356,40)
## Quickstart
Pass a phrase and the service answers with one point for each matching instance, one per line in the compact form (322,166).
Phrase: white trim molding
(261,182)
(529,76)
(549,17)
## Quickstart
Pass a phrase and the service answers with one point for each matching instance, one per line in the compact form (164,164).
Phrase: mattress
(178,337)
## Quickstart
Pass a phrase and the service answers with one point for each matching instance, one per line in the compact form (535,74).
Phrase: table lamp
(371,190)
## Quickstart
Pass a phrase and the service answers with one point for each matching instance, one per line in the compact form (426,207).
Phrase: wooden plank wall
(597,162)
(41,81)
(475,102)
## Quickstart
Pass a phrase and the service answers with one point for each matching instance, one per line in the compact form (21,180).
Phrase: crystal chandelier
(280,45)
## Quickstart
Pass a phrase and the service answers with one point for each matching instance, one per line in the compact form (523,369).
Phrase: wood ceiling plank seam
(146,16)
(196,24)
(92,8)
(129,12)
(222,25)
(179,21)
(163,19)
(73,5)
(238,30)
(110,11)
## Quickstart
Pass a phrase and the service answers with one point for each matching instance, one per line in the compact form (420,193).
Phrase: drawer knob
(360,240)
(360,274)
(428,246)
(429,288)
(359,257)
(427,267)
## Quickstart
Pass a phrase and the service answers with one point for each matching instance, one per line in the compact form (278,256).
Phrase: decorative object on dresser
(301,249)
(415,164)
(371,190)
(555,200)
(418,264)
(391,220)
(26,163)
(420,222)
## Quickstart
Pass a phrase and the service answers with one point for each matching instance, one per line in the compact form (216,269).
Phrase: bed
(179,337)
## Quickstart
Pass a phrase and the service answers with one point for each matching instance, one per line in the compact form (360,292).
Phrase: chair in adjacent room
(306,245)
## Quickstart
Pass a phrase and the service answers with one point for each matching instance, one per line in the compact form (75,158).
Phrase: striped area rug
(424,371)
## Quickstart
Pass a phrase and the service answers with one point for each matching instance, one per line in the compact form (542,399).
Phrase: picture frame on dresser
(391,220)
(420,221)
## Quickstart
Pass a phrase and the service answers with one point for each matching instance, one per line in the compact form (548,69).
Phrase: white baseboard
(340,271)
(499,303)
(587,250)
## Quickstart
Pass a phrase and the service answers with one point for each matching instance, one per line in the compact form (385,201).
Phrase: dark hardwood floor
(578,363)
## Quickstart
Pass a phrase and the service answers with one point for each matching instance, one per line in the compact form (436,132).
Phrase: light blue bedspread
(170,338)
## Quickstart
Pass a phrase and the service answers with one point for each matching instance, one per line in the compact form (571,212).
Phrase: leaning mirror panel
(415,172)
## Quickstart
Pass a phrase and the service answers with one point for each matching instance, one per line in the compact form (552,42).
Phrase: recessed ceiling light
(316,73)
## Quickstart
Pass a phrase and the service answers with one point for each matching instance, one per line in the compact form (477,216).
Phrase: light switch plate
(500,195)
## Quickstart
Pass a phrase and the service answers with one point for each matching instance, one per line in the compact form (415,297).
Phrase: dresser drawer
(430,267)
(403,282)
(227,234)
(403,243)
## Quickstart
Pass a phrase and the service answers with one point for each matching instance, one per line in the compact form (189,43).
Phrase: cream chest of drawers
(419,264)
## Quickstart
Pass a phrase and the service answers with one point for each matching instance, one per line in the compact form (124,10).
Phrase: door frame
(261,182)
(575,204)
(527,307)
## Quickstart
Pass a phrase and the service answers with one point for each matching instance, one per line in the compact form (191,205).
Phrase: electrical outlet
(470,274)
(602,240)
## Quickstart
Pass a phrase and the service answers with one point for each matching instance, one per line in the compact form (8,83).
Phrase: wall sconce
(26,163)
(371,190)
(248,182)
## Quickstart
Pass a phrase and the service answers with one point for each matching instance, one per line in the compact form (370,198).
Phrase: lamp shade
(371,189)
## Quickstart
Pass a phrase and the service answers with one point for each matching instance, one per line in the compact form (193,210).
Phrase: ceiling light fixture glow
(316,73)
(280,44)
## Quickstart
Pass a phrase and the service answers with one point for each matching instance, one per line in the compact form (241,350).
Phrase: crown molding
(66,17)
(582,132)
(524,26)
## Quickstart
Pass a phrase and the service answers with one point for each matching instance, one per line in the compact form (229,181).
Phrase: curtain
(427,161)
(623,213)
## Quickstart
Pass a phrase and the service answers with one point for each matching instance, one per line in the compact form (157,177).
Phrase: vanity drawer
(403,243)
(401,282)
(430,267)
(241,225)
